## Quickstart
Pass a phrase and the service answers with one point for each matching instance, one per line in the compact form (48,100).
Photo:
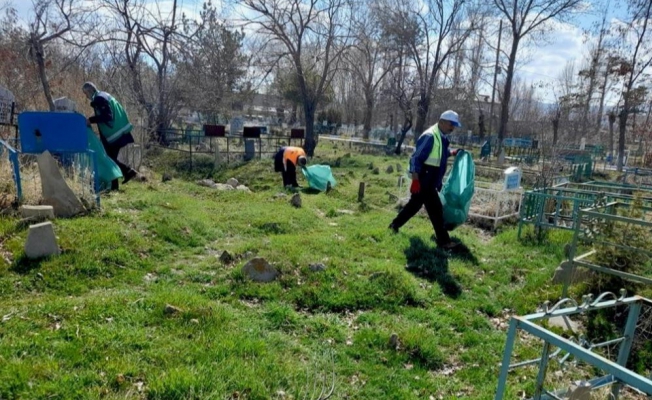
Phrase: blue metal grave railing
(616,372)
(13,158)
(558,207)
(584,233)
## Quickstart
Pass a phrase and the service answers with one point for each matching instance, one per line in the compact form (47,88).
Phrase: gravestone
(41,241)
(56,191)
(46,212)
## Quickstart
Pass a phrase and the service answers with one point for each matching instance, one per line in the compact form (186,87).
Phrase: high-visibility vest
(434,158)
(292,154)
(119,126)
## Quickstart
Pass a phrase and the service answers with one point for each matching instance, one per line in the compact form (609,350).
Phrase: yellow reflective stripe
(434,159)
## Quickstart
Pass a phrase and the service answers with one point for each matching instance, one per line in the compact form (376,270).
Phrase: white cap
(451,116)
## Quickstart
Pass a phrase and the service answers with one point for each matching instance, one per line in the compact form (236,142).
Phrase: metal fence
(559,207)
(610,366)
(610,227)
(225,148)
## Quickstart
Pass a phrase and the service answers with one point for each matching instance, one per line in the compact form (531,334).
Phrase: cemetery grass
(92,322)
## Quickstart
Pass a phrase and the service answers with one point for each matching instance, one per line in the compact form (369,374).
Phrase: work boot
(129,176)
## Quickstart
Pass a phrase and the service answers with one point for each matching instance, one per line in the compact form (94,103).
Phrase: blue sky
(546,59)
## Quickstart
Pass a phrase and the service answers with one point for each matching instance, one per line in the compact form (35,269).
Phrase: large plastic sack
(319,177)
(107,169)
(458,191)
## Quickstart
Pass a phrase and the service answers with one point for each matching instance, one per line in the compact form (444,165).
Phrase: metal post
(543,366)
(626,345)
(190,134)
(19,188)
(507,356)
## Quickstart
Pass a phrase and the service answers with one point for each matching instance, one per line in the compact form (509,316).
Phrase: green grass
(90,323)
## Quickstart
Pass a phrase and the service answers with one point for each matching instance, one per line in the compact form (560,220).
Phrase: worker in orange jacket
(286,161)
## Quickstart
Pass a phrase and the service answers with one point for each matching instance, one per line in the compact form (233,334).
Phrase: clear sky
(545,61)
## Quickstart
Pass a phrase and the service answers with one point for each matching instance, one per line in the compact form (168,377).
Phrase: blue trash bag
(319,177)
(457,193)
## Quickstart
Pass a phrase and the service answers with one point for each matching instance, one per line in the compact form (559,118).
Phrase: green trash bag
(319,177)
(107,169)
(458,191)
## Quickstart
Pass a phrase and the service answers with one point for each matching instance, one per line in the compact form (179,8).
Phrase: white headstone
(65,104)
(582,143)
(41,241)
(56,191)
(512,179)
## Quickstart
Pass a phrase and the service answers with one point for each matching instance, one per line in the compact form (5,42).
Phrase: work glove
(455,151)
(415,187)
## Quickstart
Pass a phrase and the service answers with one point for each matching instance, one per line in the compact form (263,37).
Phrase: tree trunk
(407,124)
(368,114)
(39,58)
(612,121)
(622,129)
(311,140)
(504,108)
(603,94)
(555,130)
(422,114)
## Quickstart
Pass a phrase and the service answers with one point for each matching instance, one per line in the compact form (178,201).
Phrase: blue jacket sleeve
(421,153)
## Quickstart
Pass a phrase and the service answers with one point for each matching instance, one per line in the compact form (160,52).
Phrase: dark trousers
(429,197)
(113,149)
(290,174)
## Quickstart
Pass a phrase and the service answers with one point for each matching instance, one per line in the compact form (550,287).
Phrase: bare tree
(638,59)
(368,60)
(66,21)
(314,34)
(431,33)
(150,38)
(525,18)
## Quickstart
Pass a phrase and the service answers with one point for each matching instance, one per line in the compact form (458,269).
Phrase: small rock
(564,323)
(280,195)
(317,267)
(259,270)
(347,212)
(392,197)
(393,341)
(376,171)
(243,188)
(195,321)
(233,182)
(296,200)
(166,177)
(226,257)
(223,186)
(390,170)
(207,182)
(170,309)
(399,168)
